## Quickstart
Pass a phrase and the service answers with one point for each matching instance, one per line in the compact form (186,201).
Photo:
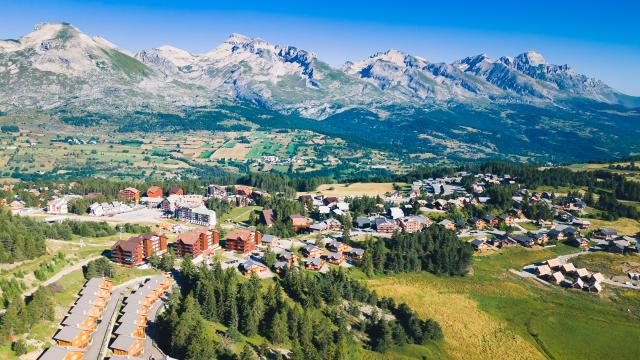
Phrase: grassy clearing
(609,264)
(529,226)
(494,314)
(625,226)
(240,214)
(355,189)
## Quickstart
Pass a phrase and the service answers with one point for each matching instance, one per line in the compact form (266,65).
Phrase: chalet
(216,191)
(335,258)
(250,267)
(99,283)
(133,318)
(411,224)
(540,238)
(524,240)
(135,308)
(267,217)
(543,270)
(131,330)
(330,200)
(595,287)
(502,241)
(396,213)
(578,284)
(555,234)
(154,192)
(507,220)
(243,241)
(554,263)
(81,321)
(127,346)
(605,233)
(330,224)
(312,251)
(447,224)
(618,246)
(557,277)
(269,240)
(92,299)
(363,222)
(337,246)
(175,191)
(582,224)
(87,310)
(356,253)
(305,198)
(71,336)
(139,300)
(385,225)
(280,266)
(516,213)
(58,353)
(130,194)
(314,263)
(581,243)
(57,206)
(596,278)
(243,190)
(288,257)
(480,244)
(582,273)
(491,220)
(299,223)
(477,223)
(567,268)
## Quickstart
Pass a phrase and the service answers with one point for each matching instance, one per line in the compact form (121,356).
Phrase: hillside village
(267,235)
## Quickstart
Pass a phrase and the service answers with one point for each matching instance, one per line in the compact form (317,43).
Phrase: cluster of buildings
(394,221)
(130,331)
(110,208)
(60,205)
(75,333)
(567,275)
(137,250)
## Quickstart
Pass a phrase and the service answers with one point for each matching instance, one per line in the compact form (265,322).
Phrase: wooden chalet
(130,194)
(59,353)
(154,192)
(299,223)
(127,346)
(71,336)
(315,263)
(336,258)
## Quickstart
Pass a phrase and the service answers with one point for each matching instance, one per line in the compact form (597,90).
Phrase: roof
(597,277)
(74,319)
(334,256)
(317,261)
(249,263)
(445,222)
(94,282)
(269,238)
(582,272)
(553,262)
(310,248)
(268,216)
(285,255)
(123,342)
(242,234)
(607,231)
(522,239)
(129,317)
(568,267)
(68,333)
(130,307)
(189,238)
(357,251)
(204,211)
(477,242)
(129,245)
(54,353)
(543,269)
(126,329)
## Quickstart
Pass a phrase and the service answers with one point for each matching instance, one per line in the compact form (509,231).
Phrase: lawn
(494,314)
(205,154)
(240,214)
(625,226)
(608,264)
(354,189)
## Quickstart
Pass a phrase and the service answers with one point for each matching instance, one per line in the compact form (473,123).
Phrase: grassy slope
(496,315)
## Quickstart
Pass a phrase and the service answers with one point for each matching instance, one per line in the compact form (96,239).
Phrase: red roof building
(299,222)
(197,242)
(176,191)
(243,241)
(136,249)
(154,192)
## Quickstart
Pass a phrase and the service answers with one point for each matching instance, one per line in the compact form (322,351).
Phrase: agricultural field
(495,315)
(354,189)
(58,148)
(609,264)
(625,226)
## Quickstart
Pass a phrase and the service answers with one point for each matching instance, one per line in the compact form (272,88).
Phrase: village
(329,231)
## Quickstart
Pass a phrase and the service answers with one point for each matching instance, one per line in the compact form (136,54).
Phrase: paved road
(150,350)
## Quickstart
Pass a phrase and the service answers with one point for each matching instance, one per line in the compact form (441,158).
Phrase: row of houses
(130,331)
(568,275)
(389,224)
(76,329)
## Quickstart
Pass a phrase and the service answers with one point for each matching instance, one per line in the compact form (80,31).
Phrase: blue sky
(600,39)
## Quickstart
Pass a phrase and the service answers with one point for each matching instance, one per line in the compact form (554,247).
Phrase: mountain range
(58,67)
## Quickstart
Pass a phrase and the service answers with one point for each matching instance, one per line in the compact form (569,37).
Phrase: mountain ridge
(283,78)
